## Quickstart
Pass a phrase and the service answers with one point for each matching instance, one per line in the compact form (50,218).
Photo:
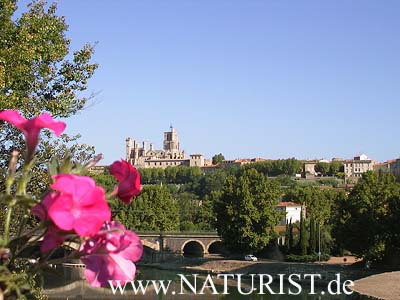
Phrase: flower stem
(21,189)
(8,221)
(11,171)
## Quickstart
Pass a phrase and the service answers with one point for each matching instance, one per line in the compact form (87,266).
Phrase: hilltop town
(142,155)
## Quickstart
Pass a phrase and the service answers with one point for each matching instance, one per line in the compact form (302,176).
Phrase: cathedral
(142,155)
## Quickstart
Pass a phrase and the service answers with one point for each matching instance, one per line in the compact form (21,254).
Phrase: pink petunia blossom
(41,209)
(53,238)
(129,180)
(79,205)
(31,127)
(110,255)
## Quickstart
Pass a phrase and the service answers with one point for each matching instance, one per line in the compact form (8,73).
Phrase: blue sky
(272,79)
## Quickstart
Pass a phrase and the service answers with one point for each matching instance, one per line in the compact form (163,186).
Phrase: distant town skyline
(273,79)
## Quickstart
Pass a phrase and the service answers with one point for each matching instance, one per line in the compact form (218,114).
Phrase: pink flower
(41,209)
(32,127)
(79,205)
(129,180)
(53,238)
(110,255)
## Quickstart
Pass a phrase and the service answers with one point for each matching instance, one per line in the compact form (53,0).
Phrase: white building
(292,210)
(354,168)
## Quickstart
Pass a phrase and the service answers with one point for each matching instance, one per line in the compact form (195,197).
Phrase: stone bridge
(190,243)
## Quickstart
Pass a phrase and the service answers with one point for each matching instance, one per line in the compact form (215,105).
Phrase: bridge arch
(193,247)
(215,247)
(149,244)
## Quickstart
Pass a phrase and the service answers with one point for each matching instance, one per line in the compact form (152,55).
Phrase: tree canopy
(289,166)
(36,73)
(246,211)
(39,72)
(367,220)
(153,210)
(218,158)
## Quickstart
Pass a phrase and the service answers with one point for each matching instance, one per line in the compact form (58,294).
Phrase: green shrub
(329,181)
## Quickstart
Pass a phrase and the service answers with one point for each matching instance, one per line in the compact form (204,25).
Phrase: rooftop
(288,203)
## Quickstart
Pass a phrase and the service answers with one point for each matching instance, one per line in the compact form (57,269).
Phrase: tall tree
(319,210)
(335,167)
(313,236)
(39,73)
(365,221)
(303,235)
(218,158)
(35,72)
(246,211)
(322,168)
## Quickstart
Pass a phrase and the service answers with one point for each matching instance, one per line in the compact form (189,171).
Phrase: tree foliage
(37,72)
(205,218)
(303,236)
(367,219)
(329,168)
(188,206)
(246,211)
(218,158)
(175,175)
(318,203)
(322,168)
(105,180)
(289,166)
(320,208)
(153,210)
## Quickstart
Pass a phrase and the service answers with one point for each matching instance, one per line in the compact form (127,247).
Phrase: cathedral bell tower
(171,141)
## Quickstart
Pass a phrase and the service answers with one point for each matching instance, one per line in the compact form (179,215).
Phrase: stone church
(142,155)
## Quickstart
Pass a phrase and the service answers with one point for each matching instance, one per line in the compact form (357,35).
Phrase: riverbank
(381,286)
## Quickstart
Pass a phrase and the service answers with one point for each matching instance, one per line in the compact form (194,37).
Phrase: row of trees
(271,168)
(185,174)
(173,175)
